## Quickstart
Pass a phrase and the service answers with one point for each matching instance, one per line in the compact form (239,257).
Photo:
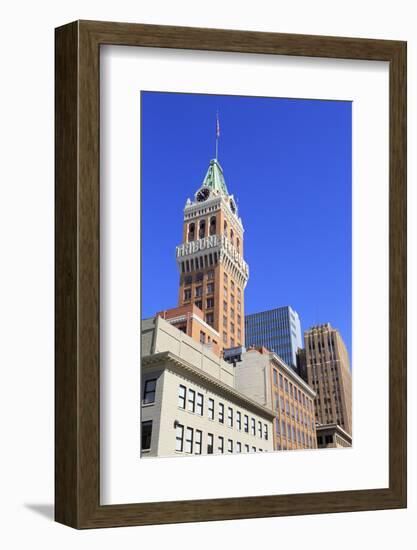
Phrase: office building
(267,379)
(213,273)
(328,373)
(189,401)
(278,330)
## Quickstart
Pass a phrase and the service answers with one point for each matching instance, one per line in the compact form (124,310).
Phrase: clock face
(203,195)
(232,206)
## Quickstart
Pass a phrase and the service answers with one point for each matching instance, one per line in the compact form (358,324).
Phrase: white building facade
(189,403)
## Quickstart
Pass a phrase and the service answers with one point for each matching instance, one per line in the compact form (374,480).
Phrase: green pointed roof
(215,178)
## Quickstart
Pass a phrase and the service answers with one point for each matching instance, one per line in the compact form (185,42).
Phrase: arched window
(231,236)
(238,244)
(202,231)
(225,227)
(213,225)
(191,232)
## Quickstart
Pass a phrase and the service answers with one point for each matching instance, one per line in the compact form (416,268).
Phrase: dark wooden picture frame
(77,359)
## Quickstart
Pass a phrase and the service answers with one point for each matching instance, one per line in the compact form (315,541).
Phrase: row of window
(293,391)
(192,230)
(198,291)
(190,441)
(192,401)
(292,411)
(292,433)
(188,279)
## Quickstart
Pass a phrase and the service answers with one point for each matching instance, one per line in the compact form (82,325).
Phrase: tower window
(199,291)
(210,275)
(231,236)
(225,227)
(202,230)
(210,288)
(188,280)
(238,244)
(210,319)
(210,303)
(187,294)
(199,277)
(213,225)
(191,232)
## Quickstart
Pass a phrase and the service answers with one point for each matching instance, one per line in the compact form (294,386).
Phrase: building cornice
(181,364)
(289,372)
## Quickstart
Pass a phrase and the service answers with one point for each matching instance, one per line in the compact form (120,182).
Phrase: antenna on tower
(217,134)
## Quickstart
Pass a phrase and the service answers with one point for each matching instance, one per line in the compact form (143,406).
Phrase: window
(188,280)
(179,438)
(275,377)
(181,396)
(232,285)
(199,304)
(291,390)
(232,328)
(231,236)
(229,446)
(281,381)
(247,448)
(199,277)
(230,417)
(224,305)
(210,444)
(210,275)
(232,342)
(237,244)
(221,413)
(191,400)
(221,444)
(146,435)
(210,288)
(225,278)
(239,308)
(260,429)
(246,423)
(253,426)
(202,337)
(202,230)
(210,303)
(149,391)
(277,426)
(239,420)
(232,299)
(225,320)
(232,313)
(200,403)
(286,385)
(266,431)
(238,447)
(189,440)
(198,441)
(212,229)
(239,334)
(187,294)
(191,231)
(225,337)
(210,318)
(239,319)
(199,290)
(211,409)
(276,402)
(225,227)
(287,407)
(239,293)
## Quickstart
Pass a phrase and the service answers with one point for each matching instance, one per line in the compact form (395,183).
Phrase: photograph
(246,274)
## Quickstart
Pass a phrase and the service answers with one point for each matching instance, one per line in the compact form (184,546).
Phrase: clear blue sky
(288,163)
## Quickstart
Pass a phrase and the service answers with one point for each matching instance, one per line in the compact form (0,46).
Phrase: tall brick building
(327,372)
(213,273)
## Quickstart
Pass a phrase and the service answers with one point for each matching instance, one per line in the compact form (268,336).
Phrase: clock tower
(213,273)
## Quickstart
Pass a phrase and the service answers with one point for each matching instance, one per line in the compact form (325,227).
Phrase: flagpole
(217,135)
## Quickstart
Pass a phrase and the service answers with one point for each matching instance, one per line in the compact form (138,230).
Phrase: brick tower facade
(213,273)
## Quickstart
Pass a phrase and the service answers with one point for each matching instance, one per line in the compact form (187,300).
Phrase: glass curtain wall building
(279,330)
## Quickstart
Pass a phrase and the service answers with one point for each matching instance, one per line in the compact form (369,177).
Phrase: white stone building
(189,403)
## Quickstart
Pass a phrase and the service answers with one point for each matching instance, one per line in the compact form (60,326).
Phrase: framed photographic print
(230,274)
